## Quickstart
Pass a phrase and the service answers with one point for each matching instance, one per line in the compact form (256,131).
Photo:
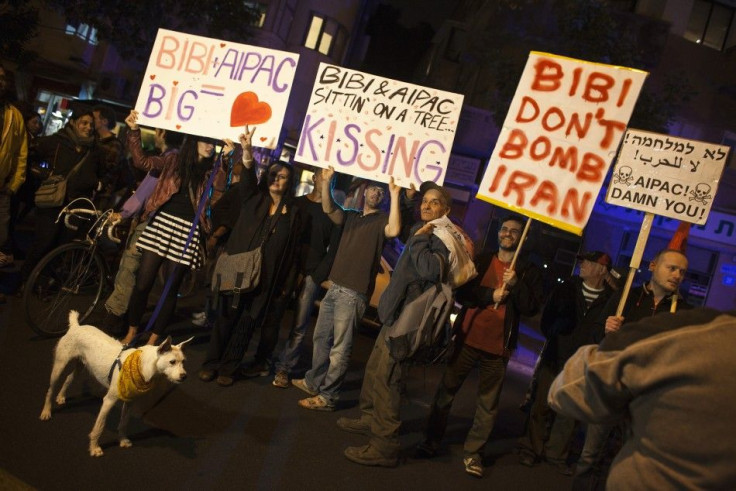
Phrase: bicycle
(73,276)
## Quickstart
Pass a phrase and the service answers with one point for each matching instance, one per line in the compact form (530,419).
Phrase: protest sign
(377,128)
(667,176)
(213,88)
(559,138)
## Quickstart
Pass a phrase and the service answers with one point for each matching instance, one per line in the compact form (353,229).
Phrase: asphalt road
(249,436)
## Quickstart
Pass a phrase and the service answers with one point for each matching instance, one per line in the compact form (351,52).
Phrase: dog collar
(131,383)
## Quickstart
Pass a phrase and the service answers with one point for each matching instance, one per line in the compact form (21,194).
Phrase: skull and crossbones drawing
(701,193)
(624,176)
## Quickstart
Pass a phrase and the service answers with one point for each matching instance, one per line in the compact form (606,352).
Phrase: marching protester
(568,322)
(671,377)
(487,330)
(73,154)
(170,212)
(658,295)
(353,276)
(318,244)
(419,268)
(269,222)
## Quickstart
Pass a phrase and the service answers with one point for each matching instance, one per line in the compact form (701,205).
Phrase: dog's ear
(165,346)
(181,345)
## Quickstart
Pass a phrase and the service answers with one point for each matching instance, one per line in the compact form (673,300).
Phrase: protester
(164,241)
(567,323)
(353,276)
(671,378)
(117,175)
(13,153)
(658,295)
(419,268)
(487,330)
(318,244)
(267,219)
(72,148)
(116,305)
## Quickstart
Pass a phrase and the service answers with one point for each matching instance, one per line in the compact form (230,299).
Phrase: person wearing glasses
(486,329)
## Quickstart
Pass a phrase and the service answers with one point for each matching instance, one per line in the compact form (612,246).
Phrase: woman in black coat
(266,216)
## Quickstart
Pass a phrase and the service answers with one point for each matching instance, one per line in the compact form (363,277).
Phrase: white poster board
(667,176)
(559,138)
(375,127)
(213,88)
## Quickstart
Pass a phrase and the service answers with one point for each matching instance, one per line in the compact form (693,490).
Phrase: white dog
(105,359)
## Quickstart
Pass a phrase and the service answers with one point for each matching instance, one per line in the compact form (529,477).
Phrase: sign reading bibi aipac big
(667,176)
(559,138)
(213,88)
(377,128)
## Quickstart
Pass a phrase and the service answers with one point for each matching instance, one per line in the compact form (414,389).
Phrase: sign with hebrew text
(559,138)
(377,128)
(213,88)
(667,176)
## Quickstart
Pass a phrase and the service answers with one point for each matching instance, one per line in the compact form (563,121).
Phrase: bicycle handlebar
(107,222)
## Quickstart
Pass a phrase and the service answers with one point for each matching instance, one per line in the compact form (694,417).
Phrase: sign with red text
(559,138)
(377,128)
(667,176)
(213,88)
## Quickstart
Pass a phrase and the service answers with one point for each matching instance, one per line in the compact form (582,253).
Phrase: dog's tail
(73,319)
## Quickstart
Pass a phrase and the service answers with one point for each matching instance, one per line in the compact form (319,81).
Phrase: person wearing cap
(568,322)
(658,295)
(352,278)
(486,332)
(417,269)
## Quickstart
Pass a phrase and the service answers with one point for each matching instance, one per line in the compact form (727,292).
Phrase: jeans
(117,302)
(492,371)
(339,314)
(5,223)
(290,355)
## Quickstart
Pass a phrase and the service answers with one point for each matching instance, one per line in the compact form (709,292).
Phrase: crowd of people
(188,213)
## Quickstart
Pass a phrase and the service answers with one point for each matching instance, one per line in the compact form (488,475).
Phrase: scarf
(131,383)
(461,250)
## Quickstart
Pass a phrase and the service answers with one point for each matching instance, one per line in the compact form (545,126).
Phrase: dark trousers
(46,236)
(492,369)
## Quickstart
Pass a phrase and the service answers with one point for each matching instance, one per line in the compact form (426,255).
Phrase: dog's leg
(123,426)
(61,395)
(60,363)
(94,436)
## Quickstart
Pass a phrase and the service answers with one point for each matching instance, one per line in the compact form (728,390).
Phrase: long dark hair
(191,170)
(263,183)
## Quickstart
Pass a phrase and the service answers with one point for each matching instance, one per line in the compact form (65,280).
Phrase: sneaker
(225,381)
(257,369)
(317,403)
(199,319)
(281,380)
(356,425)
(6,260)
(425,450)
(300,383)
(207,375)
(527,459)
(369,455)
(473,466)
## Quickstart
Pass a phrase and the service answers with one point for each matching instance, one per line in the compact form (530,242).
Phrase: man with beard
(487,331)
(13,153)
(353,276)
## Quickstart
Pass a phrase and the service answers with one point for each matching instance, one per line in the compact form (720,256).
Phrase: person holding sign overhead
(353,276)
(487,330)
(658,295)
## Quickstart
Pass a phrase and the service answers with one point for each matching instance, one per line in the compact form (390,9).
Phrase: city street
(250,436)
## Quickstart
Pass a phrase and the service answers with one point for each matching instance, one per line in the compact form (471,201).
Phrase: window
(324,35)
(261,9)
(709,24)
(83,31)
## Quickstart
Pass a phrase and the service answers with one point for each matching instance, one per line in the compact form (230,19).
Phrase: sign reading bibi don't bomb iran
(213,88)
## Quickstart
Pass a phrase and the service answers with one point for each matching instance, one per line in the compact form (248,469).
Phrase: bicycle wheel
(71,277)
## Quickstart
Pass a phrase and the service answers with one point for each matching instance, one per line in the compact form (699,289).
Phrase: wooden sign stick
(641,243)
(516,253)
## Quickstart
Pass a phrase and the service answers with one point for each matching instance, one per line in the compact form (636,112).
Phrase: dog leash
(117,364)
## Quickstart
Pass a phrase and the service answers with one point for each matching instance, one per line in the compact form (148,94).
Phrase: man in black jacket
(568,322)
(487,331)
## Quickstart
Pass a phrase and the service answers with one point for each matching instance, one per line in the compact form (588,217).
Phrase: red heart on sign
(175,82)
(264,138)
(248,110)
(153,77)
(222,45)
(178,126)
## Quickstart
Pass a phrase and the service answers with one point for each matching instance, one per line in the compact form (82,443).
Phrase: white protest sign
(559,138)
(667,176)
(374,127)
(213,88)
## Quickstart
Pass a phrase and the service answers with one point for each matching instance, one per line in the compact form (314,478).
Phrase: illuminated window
(261,9)
(83,31)
(325,35)
(710,24)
